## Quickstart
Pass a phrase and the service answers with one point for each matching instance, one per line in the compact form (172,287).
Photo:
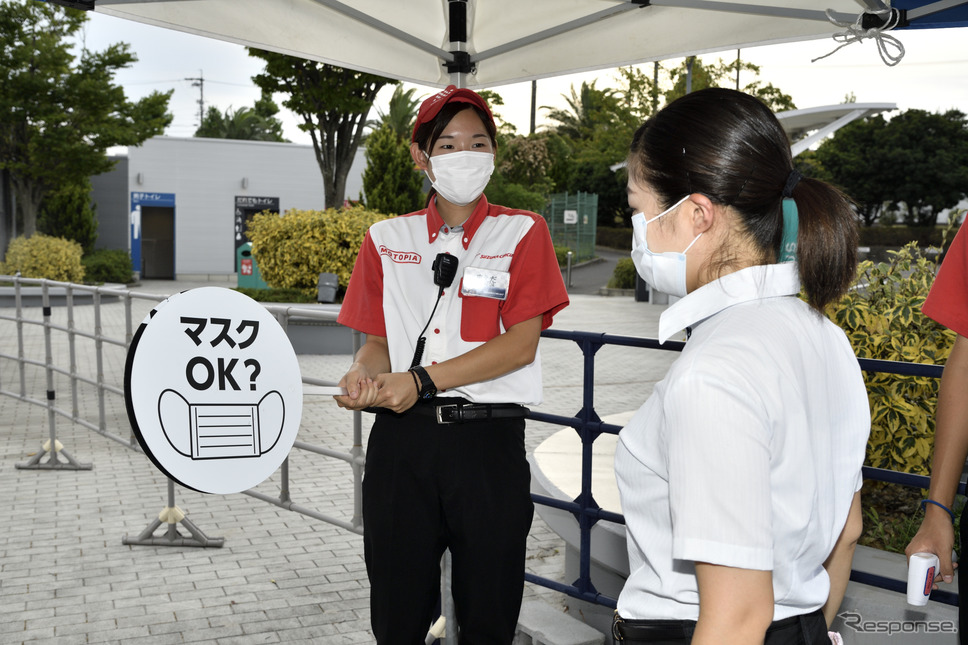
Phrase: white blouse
(748,453)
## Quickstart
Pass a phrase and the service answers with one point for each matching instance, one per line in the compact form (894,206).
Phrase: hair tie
(790,231)
(792,180)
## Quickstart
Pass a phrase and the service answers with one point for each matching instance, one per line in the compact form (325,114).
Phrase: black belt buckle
(447,414)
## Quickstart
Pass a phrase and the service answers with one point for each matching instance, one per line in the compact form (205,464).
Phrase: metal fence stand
(445,628)
(52,446)
(173,516)
(55,449)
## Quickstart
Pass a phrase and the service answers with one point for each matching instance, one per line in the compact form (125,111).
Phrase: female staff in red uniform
(452,299)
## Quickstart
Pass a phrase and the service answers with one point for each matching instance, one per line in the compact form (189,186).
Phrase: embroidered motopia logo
(400,257)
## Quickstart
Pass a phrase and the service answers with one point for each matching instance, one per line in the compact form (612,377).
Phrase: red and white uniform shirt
(946,302)
(392,292)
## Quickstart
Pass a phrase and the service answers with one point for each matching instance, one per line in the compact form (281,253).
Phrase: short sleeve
(362,307)
(536,287)
(719,473)
(947,302)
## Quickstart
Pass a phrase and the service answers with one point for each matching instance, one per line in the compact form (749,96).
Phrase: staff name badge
(485,283)
(213,390)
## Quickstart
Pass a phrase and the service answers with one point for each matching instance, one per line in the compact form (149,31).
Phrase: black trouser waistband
(455,410)
(672,631)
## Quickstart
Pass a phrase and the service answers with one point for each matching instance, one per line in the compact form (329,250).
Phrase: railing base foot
(172,537)
(54,462)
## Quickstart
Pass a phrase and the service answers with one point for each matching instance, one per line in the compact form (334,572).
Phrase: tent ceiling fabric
(506,40)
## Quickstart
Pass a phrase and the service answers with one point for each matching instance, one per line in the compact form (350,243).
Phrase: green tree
(58,116)
(854,160)
(721,74)
(930,154)
(391,183)
(401,112)
(917,159)
(639,93)
(589,109)
(258,123)
(333,103)
(68,212)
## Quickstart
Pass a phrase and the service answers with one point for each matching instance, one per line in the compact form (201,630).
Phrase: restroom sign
(213,390)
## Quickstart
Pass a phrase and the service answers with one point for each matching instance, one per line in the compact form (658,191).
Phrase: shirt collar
(745,285)
(470,225)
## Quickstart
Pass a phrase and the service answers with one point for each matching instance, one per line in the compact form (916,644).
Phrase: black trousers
(428,487)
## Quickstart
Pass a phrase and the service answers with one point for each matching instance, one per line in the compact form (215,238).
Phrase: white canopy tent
(809,126)
(478,43)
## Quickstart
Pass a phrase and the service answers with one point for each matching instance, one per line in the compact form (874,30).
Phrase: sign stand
(173,516)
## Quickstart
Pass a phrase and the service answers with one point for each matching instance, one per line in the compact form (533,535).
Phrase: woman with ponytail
(740,476)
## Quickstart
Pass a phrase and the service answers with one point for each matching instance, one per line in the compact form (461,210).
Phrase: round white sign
(213,390)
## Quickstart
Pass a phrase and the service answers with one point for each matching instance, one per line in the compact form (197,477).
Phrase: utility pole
(534,103)
(737,70)
(200,84)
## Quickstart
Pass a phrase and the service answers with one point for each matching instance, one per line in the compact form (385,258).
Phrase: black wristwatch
(427,388)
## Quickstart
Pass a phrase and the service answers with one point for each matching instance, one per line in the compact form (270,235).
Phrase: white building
(179,205)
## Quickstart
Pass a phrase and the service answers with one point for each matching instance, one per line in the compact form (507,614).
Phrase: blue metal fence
(589,426)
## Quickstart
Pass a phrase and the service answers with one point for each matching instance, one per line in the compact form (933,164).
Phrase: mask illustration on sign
(220,430)
(460,177)
(666,272)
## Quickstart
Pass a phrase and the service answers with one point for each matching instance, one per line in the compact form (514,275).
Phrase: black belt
(655,631)
(462,411)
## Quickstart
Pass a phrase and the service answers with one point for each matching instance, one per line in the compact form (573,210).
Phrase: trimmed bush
(108,265)
(561,252)
(293,249)
(882,319)
(41,256)
(623,277)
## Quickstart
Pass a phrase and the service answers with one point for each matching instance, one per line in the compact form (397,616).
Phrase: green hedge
(610,237)
(899,236)
(108,265)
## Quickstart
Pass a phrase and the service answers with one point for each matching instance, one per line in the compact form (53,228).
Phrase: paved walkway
(281,577)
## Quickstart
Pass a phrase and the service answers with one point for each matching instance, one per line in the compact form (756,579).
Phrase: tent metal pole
(756,10)
(934,7)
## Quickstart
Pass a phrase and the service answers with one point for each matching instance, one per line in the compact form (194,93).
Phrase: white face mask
(665,272)
(460,177)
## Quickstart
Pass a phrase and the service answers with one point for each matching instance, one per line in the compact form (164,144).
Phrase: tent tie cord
(872,24)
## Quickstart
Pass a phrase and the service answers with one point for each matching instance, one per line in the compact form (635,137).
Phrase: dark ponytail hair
(729,146)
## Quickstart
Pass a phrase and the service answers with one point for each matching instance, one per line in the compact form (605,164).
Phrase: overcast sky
(932,76)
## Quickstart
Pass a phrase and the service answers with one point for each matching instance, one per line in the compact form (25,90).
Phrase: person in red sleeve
(452,299)
(947,304)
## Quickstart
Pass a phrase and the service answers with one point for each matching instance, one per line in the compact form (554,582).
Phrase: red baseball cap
(431,106)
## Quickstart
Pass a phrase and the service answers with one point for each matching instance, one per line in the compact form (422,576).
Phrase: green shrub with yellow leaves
(42,256)
(882,318)
(293,249)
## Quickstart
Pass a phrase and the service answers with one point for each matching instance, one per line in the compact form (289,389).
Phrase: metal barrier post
(52,446)
(173,516)
(356,452)
(568,271)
